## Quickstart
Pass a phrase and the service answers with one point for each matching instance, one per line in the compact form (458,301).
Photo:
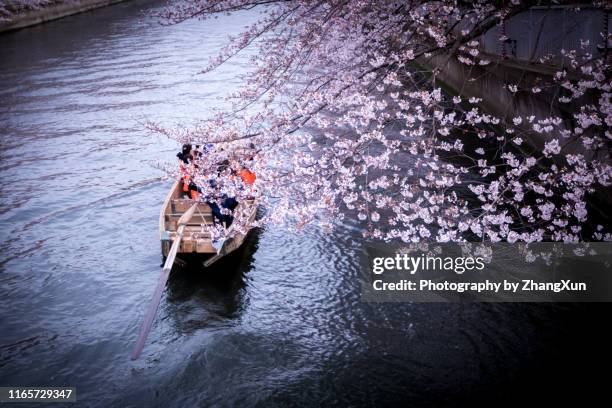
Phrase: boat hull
(196,242)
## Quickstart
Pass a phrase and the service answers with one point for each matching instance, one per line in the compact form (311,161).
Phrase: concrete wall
(538,32)
(490,87)
(500,102)
(541,32)
(52,12)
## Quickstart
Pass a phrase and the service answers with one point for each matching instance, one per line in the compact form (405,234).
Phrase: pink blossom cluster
(350,125)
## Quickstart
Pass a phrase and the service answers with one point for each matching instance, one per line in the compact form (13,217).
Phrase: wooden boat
(195,241)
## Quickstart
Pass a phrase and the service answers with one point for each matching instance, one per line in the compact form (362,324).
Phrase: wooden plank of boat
(196,239)
(235,241)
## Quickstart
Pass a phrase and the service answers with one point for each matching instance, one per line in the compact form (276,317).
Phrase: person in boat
(188,168)
(228,178)
(241,177)
(248,177)
(223,213)
(186,152)
(228,201)
(217,201)
(185,171)
(211,200)
(196,153)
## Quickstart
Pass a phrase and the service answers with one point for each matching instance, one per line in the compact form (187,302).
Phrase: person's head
(186,148)
(222,166)
(182,157)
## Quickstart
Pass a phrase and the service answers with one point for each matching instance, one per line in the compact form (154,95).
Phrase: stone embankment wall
(52,12)
(520,64)
(531,36)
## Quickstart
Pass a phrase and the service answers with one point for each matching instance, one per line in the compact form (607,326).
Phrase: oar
(161,283)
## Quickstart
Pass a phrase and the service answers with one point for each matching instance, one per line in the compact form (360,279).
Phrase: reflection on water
(280,324)
(214,297)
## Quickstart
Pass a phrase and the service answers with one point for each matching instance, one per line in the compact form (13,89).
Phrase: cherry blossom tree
(346,120)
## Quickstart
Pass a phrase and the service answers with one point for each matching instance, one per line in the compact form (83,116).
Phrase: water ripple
(281,324)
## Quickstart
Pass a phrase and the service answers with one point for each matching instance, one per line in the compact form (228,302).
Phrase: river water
(282,324)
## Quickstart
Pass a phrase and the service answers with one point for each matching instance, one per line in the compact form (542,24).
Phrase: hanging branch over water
(350,124)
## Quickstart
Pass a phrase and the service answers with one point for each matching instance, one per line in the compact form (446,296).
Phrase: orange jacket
(247,176)
(186,180)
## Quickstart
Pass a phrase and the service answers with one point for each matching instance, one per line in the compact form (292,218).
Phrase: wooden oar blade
(150,316)
(161,283)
